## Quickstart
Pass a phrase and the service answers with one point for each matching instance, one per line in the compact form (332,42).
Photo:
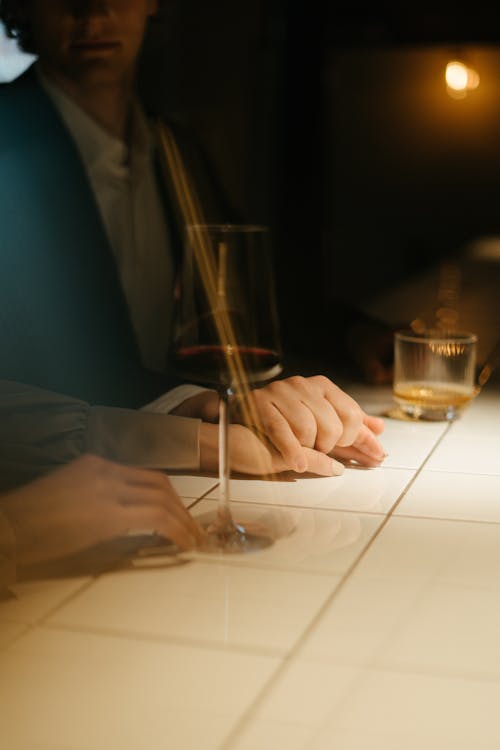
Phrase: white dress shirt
(124,184)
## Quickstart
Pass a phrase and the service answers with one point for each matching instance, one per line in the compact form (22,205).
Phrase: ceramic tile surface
(377,708)
(401,648)
(481,418)
(462,453)
(371,622)
(37,599)
(325,541)
(108,693)
(204,602)
(364,490)
(434,712)
(437,611)
(471,497)
(191,487)
(269,735)
(410,443)
(9,631)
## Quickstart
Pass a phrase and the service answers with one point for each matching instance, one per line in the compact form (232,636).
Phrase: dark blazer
(64,323)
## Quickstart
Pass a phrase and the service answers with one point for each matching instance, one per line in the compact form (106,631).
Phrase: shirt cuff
(155,441)
(171,399)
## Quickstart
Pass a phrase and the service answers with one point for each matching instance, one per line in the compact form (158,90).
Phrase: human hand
(362,447)
(306,422)
(251,454)
(92,500)
(313,413)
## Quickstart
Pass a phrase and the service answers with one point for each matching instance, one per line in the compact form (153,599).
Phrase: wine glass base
(235,538)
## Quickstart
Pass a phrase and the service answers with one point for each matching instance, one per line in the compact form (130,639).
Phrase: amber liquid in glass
(433,395)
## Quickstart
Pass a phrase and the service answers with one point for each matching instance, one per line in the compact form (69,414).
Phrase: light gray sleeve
(40,430)
(158,441)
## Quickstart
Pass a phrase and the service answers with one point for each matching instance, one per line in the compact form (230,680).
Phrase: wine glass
(226,335)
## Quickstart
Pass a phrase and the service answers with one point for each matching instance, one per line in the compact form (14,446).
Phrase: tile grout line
(203,496)
(138,637)
(313,508)
(448,519)
(234,562)
(66,600)
(42,620)
(88,584)
(250,712)
(464,473)
(39,621)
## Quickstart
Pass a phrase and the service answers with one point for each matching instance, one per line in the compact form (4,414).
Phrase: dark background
(331,123)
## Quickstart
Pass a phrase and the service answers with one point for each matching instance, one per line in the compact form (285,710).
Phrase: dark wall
(411,175)
(333,126)
(247,77)
(218,65)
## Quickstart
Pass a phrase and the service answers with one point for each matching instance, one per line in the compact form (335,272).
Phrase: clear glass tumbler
(434,373)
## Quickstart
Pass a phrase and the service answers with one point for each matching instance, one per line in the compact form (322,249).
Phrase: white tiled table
(374,622)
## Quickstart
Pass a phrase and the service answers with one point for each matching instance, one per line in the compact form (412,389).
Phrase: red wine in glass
(210,362)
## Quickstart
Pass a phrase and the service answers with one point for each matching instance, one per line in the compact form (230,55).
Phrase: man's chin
(96,72)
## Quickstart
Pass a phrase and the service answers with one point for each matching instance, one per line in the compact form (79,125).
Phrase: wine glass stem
(223,510)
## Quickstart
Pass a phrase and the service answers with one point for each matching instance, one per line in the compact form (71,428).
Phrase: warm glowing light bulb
(473,80)
(460,79)
(457,76)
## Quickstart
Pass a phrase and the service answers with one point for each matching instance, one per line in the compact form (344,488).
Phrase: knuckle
(325,443)
(308,439)
(274,423)
(322,381)
(274,389)
(306,432)
(296,381)
(334,432)
(354,415)
(258,396)
(262,398)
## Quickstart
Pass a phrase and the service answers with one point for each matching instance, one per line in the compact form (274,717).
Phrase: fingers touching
(313,413)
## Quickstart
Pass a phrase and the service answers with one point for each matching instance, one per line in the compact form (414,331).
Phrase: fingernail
(378,455)
(337,468)
(300,464)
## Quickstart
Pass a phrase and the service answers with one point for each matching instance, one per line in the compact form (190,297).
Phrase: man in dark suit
(89,247)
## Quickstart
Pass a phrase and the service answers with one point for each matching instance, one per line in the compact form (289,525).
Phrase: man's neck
(107,103)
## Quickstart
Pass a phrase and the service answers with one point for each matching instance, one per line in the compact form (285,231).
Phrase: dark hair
(15,26)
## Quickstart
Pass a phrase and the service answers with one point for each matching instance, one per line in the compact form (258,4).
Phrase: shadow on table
(115,555)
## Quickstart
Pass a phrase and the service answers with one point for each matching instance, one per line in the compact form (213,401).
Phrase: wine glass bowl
(226,336)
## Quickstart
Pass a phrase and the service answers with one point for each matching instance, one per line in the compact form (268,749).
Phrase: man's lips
(94,45)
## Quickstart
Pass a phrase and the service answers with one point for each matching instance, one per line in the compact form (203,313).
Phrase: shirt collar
(98,148)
